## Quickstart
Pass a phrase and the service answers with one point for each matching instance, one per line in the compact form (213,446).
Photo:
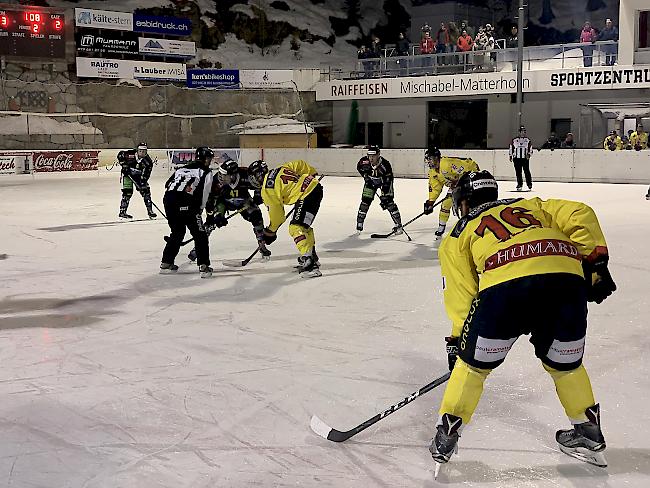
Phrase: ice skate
(152,214)
(397,230)
(359,228)
(309,267)
(439,233)
(205,270)
(124,215)
(585,441)
(166,268)
(266,254)
(520,188)
(445,443)
(192,255)
(647,197)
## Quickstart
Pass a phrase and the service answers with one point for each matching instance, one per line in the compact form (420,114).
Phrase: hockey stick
(183,243)
(327,432)
(384,236)
(241,264)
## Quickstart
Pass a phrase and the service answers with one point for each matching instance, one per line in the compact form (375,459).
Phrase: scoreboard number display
(32,33)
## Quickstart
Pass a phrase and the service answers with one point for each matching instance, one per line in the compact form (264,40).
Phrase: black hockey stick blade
(331,434)
(183,243)
(241,264)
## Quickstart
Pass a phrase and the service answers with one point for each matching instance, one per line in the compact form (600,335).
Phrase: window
(561,127)
(644,29)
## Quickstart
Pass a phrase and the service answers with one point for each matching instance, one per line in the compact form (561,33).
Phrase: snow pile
(274,125)
(18,125)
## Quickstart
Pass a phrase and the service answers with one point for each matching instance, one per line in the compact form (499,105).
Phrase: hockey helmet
(204,154)
(256,172)
(432,157)
(121,156)
(372,150)
(227,172)
(142,149)
(475,188)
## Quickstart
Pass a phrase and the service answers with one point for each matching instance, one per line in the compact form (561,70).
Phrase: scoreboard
(32,33)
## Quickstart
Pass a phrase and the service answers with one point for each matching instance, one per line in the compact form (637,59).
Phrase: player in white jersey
(520,151)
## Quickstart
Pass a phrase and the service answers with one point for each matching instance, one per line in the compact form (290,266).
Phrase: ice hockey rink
(116,376)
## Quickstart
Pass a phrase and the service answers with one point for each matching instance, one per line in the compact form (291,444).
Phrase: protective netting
(49,115)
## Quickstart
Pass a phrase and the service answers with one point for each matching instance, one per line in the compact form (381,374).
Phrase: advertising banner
(166,47)
(594,78)
(216,78)
(147,70)
(104,68)
(170,26)
(277,78)
(127,69)
(9,163)
(103,19)
(50,161)
(90,43)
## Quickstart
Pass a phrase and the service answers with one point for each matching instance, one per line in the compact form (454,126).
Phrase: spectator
(513,40)
(639,138)
(612,142)
(568,142)
(426,28)
(376,49)
(587,36)
(426,49)
(454,34)
(442,40)
(362,55)
(609,33)
(402,49)
(627,145)
(465,44)
(552,143)
(480,44)
(464,25)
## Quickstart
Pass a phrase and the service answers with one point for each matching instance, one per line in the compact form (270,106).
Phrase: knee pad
(253,216)
(127,192)
(386,202)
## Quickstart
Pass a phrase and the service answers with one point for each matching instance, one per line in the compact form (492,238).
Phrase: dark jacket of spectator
(553,142)
(442,36)
(375,48)
(513,39)
(609,33)
(426,44)
(403,45)
(465,42)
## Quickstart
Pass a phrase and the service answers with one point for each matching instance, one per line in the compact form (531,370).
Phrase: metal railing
(557,56)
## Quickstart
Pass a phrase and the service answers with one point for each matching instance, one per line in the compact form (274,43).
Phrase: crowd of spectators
(634,140)
(589,36)
(458,43)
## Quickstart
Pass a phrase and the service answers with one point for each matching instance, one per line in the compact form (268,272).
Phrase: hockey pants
(304,214)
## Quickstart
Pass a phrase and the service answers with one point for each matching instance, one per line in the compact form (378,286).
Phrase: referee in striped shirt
(520,151)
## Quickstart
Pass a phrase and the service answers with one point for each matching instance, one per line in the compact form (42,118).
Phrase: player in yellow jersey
(444,171)
(613,142)
(292,183)
(513,267)
(639,139)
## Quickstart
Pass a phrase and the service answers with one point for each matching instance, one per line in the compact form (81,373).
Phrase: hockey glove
(269,236)
(209,221)
(257,199)
(452,351)
(428,207)
(220,220)
(600,284)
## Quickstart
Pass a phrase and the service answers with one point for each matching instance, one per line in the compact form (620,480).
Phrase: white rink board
(114,375)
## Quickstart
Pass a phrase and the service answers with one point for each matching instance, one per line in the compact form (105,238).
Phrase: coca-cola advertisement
(48,161)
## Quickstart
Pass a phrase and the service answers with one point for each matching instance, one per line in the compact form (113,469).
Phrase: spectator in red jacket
(426,48)
(465,44)
(442,39)
(588,36)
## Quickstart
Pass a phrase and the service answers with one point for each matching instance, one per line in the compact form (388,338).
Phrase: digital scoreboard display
(32,33)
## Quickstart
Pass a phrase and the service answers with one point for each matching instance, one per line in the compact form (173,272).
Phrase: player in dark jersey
(377,174)
(231,192)
(136,171)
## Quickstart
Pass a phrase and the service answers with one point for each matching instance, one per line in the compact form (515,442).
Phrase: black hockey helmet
(432,156)
(227,171)
(476,188)
(121,156)
(203,154)
(256,172)
(372,150)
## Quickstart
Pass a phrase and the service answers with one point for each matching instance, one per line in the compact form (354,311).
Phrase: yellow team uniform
(451,169)
(639,139)
(510,240)
(286,185)
(617,141)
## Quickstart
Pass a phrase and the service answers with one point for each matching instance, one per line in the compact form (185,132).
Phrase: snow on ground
(114,375)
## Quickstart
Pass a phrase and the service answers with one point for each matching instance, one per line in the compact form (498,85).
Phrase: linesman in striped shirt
(520,151)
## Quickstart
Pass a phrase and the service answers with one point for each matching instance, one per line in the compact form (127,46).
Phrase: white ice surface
(115,376)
